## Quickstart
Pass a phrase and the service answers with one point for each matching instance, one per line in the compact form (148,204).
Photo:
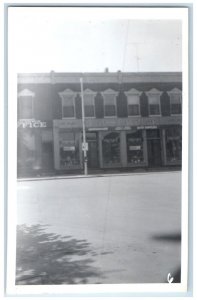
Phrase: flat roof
(102,77)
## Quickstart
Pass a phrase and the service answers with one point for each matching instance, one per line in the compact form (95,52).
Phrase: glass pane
(110,110)
(89,111)
(154,99)
(69,150)
(154,109)
(173,144)
(68,100)
(68,112)
(135,147)
(176,109)
(111,148)
(133,110)
(133,99)
(88,99)
(25,108)
(109,99)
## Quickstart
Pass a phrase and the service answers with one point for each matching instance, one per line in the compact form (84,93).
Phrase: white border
(12,129)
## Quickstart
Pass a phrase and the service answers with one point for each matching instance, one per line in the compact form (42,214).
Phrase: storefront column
(100,150)
(145,151)
(123,149)
(163,134)
(56,148)
(38,150)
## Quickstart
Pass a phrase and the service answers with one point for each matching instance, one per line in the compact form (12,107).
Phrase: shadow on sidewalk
(46,258)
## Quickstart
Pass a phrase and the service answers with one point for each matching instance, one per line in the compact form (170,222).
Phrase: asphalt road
(113,229)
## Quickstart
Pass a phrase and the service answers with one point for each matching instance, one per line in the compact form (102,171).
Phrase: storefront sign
(123,128)
(135,147)
(69,148)
(98,129)
(85,146)
(147,127)
(31,124)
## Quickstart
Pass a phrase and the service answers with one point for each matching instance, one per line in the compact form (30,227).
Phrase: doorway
(92,140)
(154,148)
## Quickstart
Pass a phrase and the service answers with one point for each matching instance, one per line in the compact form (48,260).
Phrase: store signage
(84,146)
(134,147)
(98,129)
(123,128)
(147,127)
(31,124)
(69,148)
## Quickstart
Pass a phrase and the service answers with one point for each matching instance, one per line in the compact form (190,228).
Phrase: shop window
(69,150)
(133,102)
(25,104)
(110,103)
(173,144)
(111,148)
(25,151)
(175,102)
(89,106)
(135,147)
(154,102)
(68,103)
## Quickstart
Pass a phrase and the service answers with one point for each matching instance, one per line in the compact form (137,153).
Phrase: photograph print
(100,98)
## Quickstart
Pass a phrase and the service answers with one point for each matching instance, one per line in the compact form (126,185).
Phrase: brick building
(132,120)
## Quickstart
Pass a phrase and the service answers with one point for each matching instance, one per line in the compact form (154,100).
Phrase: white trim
(175,91)
(68,92)
(26,93)
(154,92)
(113,93)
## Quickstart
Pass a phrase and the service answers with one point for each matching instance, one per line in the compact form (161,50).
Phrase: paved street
(113,229)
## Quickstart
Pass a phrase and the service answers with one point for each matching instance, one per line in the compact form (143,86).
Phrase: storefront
(34,148)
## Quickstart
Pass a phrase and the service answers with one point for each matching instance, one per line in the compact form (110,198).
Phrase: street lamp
(84,144)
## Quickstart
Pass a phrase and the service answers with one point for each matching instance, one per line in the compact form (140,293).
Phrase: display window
(69,150)
(111,148)
(173,144)
(135,147)
(25,151)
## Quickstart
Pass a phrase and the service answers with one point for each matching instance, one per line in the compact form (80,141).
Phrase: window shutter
(78,107)
(144,105)
(122,105)
(99,106)
(165,104)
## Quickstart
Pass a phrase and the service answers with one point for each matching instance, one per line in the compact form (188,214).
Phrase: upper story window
(175,101)
(154,102)
(133,102)
(89,105)
(25,104)
(110,109)
(68,103)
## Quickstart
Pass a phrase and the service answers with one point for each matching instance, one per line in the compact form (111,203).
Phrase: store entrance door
(93,161)
(154,148)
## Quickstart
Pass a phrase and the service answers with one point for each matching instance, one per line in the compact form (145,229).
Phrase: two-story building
(132,120)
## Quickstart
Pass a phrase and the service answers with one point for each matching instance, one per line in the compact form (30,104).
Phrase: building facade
(132,120)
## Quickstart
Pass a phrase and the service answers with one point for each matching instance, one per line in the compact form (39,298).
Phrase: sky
(41,40)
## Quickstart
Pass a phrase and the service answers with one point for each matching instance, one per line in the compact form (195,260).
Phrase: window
(109,103)
(175,102)
(173,144)
(25,104)
(154,102)
(68,103)
(89,103)
(133,102)
(69,150)
(135,147)
(111,148)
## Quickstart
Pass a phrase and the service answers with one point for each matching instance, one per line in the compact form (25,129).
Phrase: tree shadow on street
(46,258)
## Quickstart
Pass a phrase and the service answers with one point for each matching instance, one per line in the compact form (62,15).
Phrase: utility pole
(84,145)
